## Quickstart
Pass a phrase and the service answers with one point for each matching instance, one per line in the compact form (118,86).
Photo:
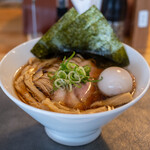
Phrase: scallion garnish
(70,74)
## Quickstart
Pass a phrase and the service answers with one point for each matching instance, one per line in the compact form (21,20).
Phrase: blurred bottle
(34,33)
(62,8)
(115,12)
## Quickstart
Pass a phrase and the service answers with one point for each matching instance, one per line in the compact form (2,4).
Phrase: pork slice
(78,98)
(59,95)
(76,60)
(66,98)
(95,72)
(87,94)
(72,100)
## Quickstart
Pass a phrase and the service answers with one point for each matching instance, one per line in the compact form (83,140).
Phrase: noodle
(34,87)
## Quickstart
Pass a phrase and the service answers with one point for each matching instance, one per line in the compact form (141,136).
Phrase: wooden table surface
(11,28)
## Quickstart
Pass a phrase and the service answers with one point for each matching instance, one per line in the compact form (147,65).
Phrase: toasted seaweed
(44,47)
(73,36)
(86,33)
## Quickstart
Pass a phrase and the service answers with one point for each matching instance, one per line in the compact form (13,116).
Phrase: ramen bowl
(70,129)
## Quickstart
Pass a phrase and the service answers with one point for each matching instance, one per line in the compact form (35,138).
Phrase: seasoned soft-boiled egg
(115,80)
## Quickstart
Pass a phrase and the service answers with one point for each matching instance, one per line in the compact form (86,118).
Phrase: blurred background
(22,20)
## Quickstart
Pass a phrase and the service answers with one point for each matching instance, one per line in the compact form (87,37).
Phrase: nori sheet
(44,47)
(74,35)
(88,33)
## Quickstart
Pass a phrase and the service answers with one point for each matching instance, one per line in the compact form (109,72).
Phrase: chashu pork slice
(78,98)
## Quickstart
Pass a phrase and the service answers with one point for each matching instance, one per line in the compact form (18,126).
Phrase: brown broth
(82,105)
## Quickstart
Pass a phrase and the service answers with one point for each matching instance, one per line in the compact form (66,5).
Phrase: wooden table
(11,28)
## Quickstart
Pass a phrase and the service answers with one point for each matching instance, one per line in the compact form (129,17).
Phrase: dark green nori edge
(87,33)
(44,47)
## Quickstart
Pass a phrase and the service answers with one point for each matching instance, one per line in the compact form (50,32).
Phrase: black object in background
(62,8)
(115,12)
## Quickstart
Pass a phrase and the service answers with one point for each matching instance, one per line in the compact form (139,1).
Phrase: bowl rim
(73,116)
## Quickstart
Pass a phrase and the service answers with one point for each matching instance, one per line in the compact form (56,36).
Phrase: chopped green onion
(85,79)
(69,87)
(59,83)
(74,77)
(61,74)
(81,71)
(87,69)
(70,74)
(71,65)
(96,80)
(70,57)
(78,85)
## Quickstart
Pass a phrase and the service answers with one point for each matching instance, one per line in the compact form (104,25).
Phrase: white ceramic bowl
(70,129)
